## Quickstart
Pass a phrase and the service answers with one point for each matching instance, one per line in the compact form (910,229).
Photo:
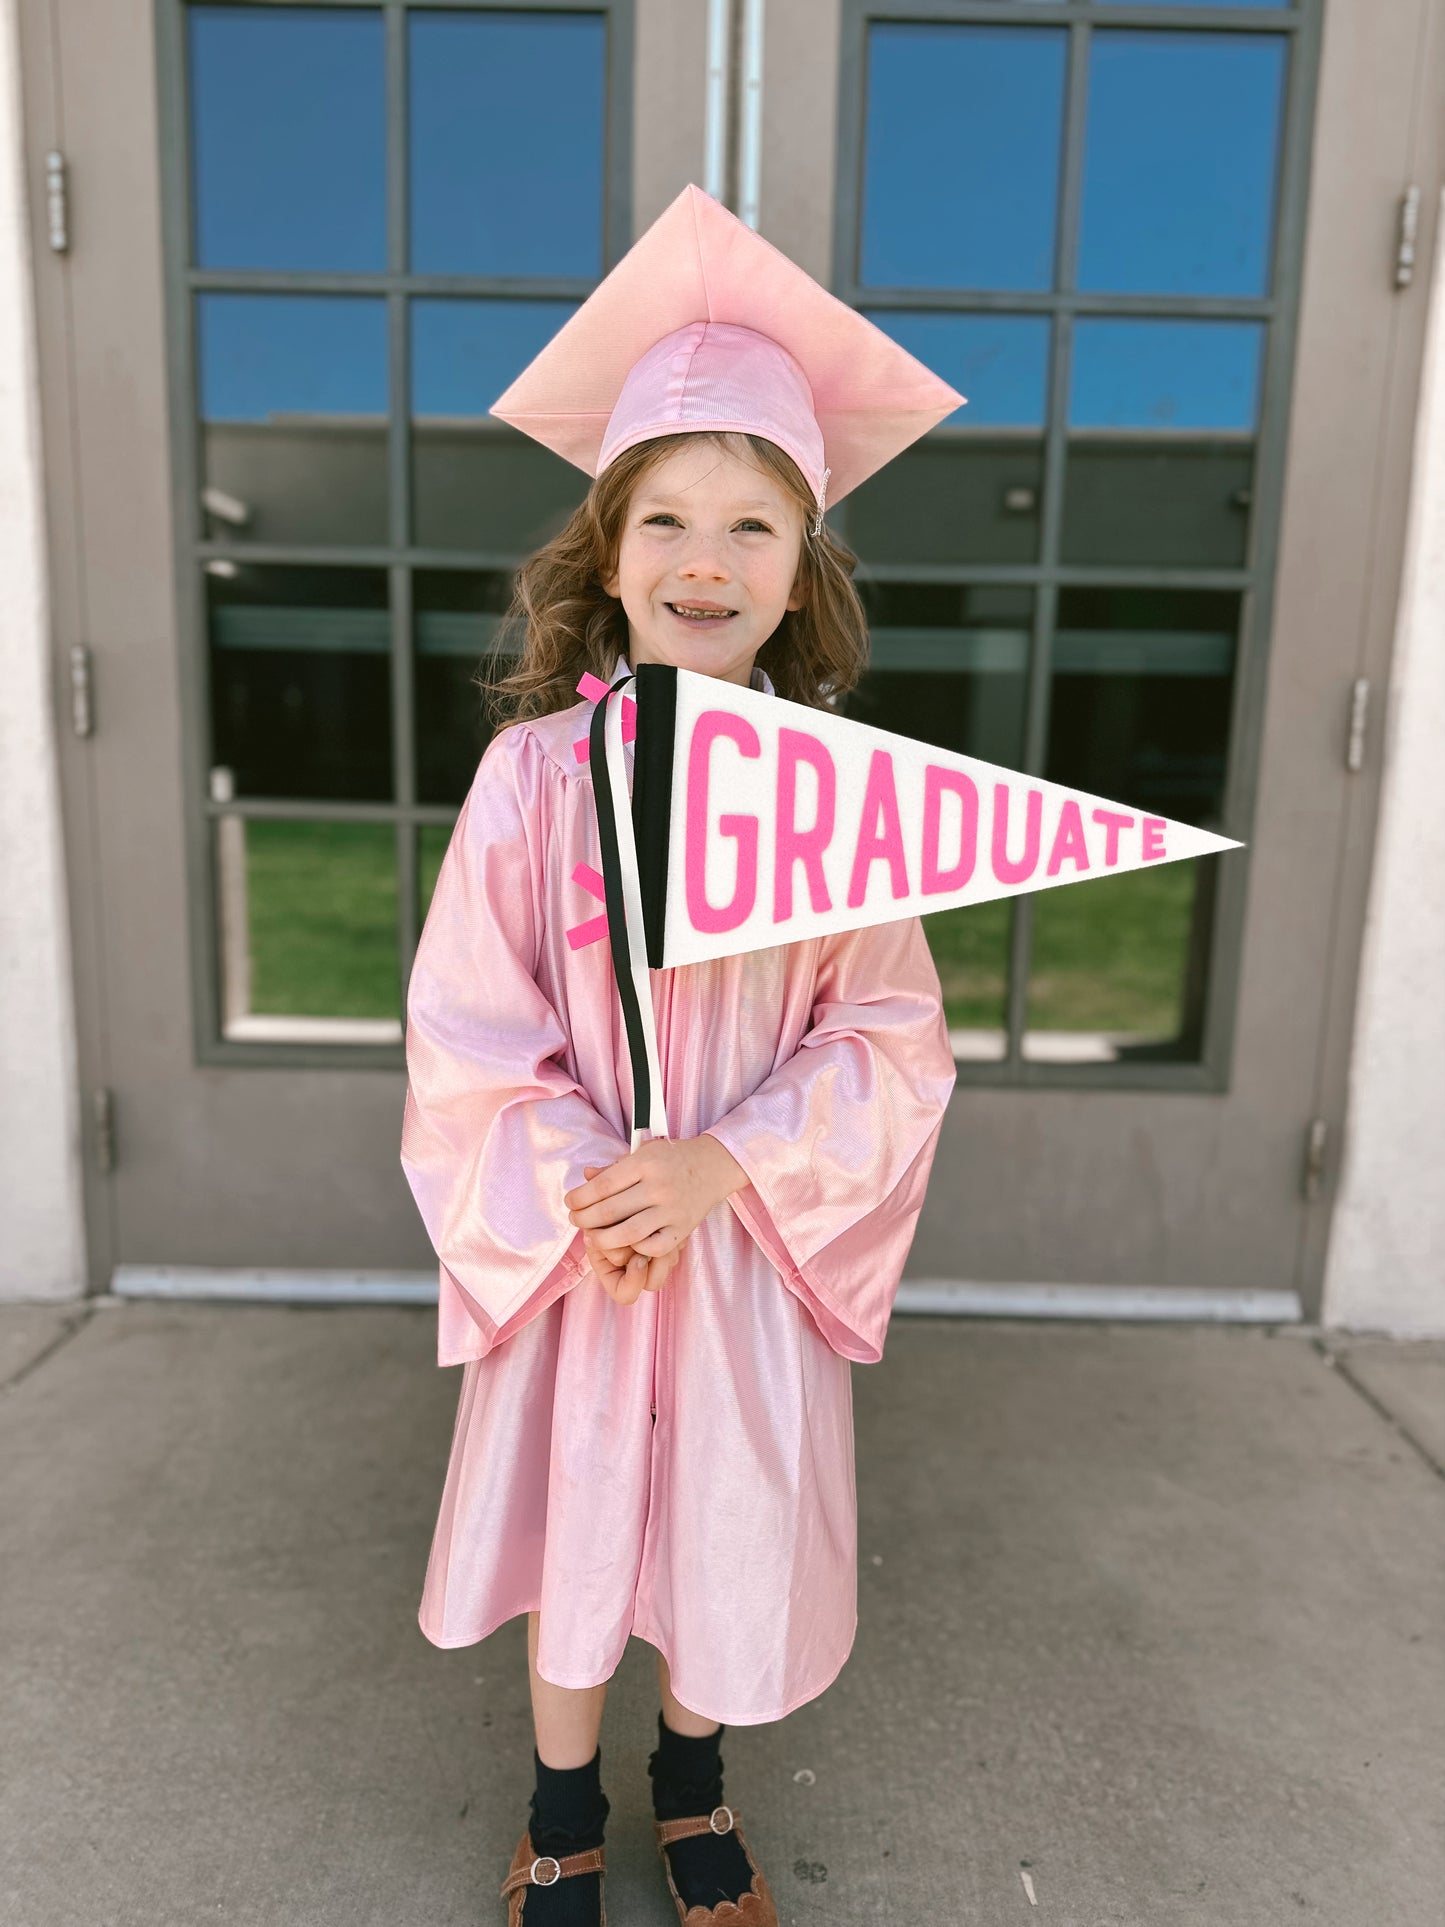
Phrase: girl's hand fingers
(620,1273)
(621,1288)
(630,1281)
(608,1213)
(608,1267)
(625,1274)
(661,1268)
(641,1192)
(651,1232)
(608,1252)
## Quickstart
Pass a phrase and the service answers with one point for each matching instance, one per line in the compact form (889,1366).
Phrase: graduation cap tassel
(623,895)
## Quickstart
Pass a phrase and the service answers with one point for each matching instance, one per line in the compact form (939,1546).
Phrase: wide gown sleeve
(839,1140)
(495,1130)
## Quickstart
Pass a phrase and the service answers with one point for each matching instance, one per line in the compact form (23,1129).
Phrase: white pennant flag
(784,822)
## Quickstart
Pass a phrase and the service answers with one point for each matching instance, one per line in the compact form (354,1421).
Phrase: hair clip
(822,498)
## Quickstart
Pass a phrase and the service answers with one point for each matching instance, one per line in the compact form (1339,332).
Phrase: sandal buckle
(712,1819)
(546,1860)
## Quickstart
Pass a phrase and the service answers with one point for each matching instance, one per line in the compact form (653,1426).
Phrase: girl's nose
(705,561)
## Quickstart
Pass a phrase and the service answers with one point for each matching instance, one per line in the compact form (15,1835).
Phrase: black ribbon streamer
(616,911)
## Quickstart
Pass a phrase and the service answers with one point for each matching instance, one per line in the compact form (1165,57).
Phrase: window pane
(478,484)
(465,353)
(456,617)
(1274,5)
(506,120)
(301,680)
(999,363)
(308,931)
(1129,372)
(1139,713)
(1140,703)
(949,667)
(288,137)
(970,948)
(961,156)
(293,397)
(951,501)
(1165,500)
(1119,967)
(1180,162)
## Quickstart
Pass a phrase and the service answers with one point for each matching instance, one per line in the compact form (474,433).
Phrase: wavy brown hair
(562,622)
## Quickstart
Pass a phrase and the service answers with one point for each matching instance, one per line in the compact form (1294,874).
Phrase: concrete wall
(1386,1268)
(41,1236)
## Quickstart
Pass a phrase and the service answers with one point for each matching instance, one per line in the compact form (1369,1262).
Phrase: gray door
(308,246)
(1154,246)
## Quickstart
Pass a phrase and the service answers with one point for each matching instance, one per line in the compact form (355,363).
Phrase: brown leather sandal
(531,1869)
(755,1908)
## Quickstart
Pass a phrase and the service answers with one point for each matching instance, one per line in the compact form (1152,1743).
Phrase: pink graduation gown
(724,1532)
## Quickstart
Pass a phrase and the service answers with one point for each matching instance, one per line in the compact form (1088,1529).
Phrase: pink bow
(594,689)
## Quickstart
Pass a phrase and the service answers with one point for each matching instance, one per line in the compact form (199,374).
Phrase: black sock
(569,1814)
(686,1780)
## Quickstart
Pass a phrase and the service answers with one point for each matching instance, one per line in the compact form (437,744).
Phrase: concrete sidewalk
(1152,1616)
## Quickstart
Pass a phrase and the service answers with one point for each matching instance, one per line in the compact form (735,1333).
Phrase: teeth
(684,609)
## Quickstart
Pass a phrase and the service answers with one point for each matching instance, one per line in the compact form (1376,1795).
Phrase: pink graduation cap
(705,325)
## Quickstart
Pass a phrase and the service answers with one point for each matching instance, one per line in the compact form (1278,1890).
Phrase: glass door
(319,240)
(1092,221)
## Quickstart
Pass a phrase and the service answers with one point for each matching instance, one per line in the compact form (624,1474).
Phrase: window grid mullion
(1056,426)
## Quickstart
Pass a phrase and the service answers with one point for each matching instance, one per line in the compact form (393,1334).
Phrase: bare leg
(568,1719)
(675,1713)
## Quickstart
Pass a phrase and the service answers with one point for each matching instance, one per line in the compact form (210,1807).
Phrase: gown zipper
(664,1029)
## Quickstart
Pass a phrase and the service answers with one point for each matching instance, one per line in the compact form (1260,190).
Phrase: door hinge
(82,711)
(57,201)
(1406,232)
(1359,719)
(102,1110)
(1316,1138)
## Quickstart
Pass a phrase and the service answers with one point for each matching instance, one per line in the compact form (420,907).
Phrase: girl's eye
(664,515)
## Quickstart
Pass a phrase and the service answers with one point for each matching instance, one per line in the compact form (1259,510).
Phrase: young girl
(654,1432)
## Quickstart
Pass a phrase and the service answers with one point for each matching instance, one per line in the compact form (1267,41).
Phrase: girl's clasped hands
(638,1213)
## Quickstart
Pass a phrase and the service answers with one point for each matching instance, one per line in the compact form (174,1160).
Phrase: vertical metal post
(719,75)
(1056,450)
(750,116)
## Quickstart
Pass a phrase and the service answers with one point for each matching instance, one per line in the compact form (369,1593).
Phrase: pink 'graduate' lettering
(1070,843)
(712,724)
(880,833)
(937,782)
(802,846)
(1113,821)
(1006,868)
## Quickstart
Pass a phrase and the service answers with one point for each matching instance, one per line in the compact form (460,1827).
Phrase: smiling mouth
(689,614)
